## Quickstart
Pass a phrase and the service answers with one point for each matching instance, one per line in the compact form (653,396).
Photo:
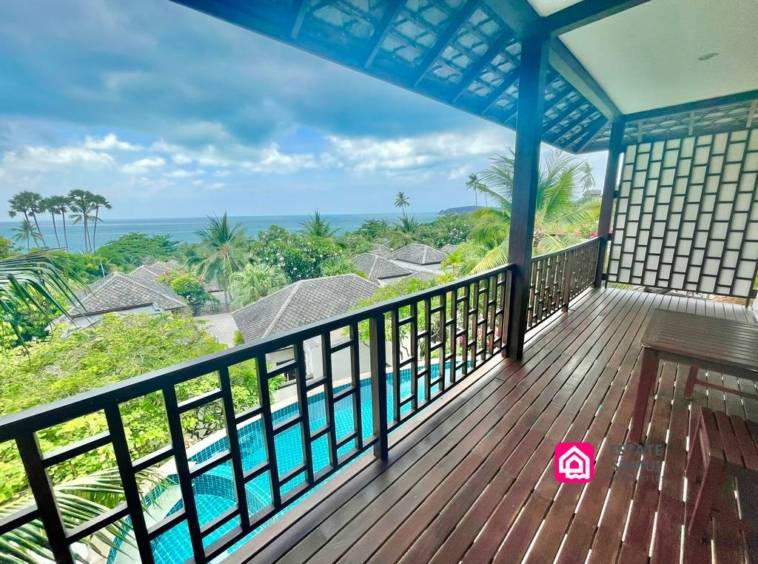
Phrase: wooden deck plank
(475,483)
(362,511)
(394,546)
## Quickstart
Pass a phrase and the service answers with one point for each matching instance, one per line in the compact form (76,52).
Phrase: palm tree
(473,184)
(29,204)
(81,202)
(98,201)
(317,227)
(52,206)
(402,201)
(58,205)
(26,232)
(220,251)
(254,282)
(558,220)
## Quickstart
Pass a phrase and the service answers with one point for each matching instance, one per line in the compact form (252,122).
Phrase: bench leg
(689,387)
(648,374)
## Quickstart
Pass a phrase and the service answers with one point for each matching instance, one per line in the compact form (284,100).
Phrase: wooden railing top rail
(588,242)
(54,413)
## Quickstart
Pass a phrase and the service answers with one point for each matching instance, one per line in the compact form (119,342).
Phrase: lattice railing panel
(687,214)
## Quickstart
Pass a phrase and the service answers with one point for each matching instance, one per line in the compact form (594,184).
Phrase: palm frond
(79,501)
(495,257)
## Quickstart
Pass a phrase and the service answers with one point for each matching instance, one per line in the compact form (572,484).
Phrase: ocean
(185,229)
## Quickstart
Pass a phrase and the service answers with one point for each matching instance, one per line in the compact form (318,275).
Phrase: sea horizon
(184,229)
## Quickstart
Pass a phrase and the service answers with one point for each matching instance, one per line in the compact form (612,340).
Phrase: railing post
(42,490)
(609,192)
(379,384)
(525,177)
(568,266)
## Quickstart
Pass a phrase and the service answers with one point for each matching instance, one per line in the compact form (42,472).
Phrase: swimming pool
(215,492)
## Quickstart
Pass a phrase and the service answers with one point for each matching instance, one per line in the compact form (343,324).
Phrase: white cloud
(109,143)
(143,166)
(43,157)
(183,173)
(368,154)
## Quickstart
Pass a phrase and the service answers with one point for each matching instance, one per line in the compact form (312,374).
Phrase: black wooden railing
(557,278)
(420,346)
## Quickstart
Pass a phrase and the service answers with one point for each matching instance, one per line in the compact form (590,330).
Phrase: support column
(609,191)
(525,177)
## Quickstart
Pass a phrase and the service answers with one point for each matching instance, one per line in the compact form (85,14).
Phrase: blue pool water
(215,492)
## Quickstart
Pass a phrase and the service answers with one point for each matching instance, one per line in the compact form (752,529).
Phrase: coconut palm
(220,253)
(473,184)
(316,226)
(254,282)
(26,232)
(402,201)
(54,206)
(559,219)
(98,202)
(29,204)
(58,205)
(82,204)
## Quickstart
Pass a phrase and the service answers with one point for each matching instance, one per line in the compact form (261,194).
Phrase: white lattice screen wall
(687,214)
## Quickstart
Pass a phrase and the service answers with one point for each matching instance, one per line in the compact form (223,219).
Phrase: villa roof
(302,303)
(449,248)
(153,271)
(418,253)
(119,291)
(381,250)
(377,267)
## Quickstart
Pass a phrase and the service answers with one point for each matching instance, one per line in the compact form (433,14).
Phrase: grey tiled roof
(155,270)
(418,253)
(301,303)
(381,250)
(118,291)
(447,249)
(378,268)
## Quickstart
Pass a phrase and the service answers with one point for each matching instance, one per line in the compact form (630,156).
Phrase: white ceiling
(647,57)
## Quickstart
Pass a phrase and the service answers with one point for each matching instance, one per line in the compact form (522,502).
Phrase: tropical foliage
(133,249)
(220,252)
(254,282)
(560,218)
(31,283)
(117,348)
(189,287)
(316,226)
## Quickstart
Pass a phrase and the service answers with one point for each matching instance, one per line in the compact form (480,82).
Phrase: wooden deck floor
(474,482)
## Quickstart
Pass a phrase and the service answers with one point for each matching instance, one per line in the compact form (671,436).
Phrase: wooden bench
(722,491)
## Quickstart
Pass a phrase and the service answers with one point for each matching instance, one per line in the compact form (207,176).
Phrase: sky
(170,113)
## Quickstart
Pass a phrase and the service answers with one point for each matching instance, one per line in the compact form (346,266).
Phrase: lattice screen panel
(687,214)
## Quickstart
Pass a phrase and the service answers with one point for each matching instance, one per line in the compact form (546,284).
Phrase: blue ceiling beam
(589,133)
(503,40)
(584,13)
(526,22)
(300,11)
(562,114)
(384,27)
(443,40)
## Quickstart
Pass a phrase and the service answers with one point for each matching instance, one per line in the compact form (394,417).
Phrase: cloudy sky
(170,113)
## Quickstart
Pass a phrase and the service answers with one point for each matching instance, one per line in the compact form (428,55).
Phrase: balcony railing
(559,277)
(420,346)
